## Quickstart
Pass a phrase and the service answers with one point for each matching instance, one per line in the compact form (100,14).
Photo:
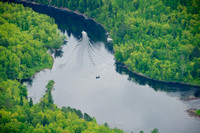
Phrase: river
(120,98)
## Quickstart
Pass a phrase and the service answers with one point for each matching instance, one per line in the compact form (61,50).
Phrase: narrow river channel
(121,99)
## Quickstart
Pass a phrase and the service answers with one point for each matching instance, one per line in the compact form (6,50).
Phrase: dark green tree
(50,98)
(23,91)
(155,130)
(45,121)
(106,124)
(87,117)
(21,101)
(31,102)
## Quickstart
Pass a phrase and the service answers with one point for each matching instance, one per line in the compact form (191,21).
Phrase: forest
(156,39)
(25,38)
(159,38)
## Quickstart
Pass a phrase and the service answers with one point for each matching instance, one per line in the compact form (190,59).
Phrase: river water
(120,98)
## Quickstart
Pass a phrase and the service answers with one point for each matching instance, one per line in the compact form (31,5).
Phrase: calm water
(121,99)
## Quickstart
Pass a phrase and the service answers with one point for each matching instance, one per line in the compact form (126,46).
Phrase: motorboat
(97,77)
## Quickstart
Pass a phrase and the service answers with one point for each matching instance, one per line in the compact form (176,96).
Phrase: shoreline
(123,65)
(47,68)
(161,81)
(64,9)
(192,113)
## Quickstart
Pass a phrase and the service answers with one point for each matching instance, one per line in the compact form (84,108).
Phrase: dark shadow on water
(29,81)
(197,93)
(71,22)
(58,53)
(184,90)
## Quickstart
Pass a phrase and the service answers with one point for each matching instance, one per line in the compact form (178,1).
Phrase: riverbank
(190,98)
(193,113)
(84,16)
(161,81)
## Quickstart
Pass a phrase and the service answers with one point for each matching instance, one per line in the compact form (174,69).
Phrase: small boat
(84,33)
(97,77)
(109,40)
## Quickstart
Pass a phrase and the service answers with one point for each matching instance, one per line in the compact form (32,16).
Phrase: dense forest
(158,38)
(25,38)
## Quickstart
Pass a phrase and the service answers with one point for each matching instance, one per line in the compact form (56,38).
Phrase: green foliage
(87,117)
(158,38)
(155,130)
(23,91)
(24,38)
(10,94)
(80,5)
(154,38)
(50,85)
(50,98)
(192,6)
(47,99)
(45,121)
(31,102)
(198,112)
(21,101)
(77,112)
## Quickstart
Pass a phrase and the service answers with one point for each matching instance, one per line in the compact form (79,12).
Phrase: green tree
(21,101)
(31,102)
(50,98)
(87,117)
(45,121)
(155,130)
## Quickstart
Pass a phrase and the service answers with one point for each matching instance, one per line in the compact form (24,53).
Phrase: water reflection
(28,81)
(73,24)
(184,90)
(58,53)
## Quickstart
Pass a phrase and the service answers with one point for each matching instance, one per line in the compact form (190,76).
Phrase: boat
(109,40)
(97,77)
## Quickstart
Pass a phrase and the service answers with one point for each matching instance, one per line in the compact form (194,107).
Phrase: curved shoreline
(93,21)
(192,113)
(161,81)
(63,9)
